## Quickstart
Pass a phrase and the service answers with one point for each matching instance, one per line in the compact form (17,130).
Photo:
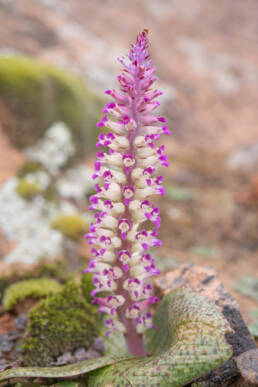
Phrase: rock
(204,281)
(21,322)
(6,323)
(10,344)
(81,354)
(63,359)
(247,363)
(249,196)
(245,158)
(99,344)
(37,95)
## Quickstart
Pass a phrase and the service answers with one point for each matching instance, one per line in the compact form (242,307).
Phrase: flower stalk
(125,174)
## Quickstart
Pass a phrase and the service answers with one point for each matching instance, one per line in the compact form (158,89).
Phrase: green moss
(28,190)
(37,95)
(62,322)
(71,226)
(4,283)
(87,286)
(30,166)
(59,270)
(32,288)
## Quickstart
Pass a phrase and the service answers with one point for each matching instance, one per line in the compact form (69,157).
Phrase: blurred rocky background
(57,58)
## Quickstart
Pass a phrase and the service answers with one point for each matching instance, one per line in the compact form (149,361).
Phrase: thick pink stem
(134,341)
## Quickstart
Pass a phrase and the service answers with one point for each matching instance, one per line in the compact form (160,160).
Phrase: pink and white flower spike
(125,175)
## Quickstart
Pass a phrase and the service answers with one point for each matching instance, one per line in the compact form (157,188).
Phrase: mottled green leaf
(115,344)
(188,343)
(70,370)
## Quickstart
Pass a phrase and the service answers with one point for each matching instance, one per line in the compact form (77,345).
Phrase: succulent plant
(188,343)
(188,339)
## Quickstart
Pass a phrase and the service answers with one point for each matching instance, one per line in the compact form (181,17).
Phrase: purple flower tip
(162,119)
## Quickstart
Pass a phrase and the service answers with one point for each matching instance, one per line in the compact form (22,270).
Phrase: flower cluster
(125,175)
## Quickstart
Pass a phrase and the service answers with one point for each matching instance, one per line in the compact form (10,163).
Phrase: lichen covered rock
(62,322)
(37,95)
(31,288)
(247,363)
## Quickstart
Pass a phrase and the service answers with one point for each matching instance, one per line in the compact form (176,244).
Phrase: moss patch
(58,270)
(32,288)
(4,283)
(71,226)
(62,322)
(38,95)
(28,190)
(87,286)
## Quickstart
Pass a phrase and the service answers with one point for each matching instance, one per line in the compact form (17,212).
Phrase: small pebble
(21,322)
(99,344)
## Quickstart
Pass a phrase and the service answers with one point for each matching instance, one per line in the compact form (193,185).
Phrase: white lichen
(75,183)
(27,224)
(54,149)
(39,177)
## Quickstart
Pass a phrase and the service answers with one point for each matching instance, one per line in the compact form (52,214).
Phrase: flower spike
(125,180)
